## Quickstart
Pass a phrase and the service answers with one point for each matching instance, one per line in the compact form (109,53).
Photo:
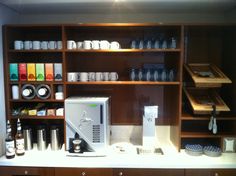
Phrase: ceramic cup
(15,92)
(105,76)
(79,45)
(18,45)
(95,44)
(91,76)
(36,45)
(98,76)
(52,45)
(71,44)
(28,45)
(83,76)
(59,44)
(87,44)
(104,44)
(113,76)
(114,45)
(72,76)
(44,45)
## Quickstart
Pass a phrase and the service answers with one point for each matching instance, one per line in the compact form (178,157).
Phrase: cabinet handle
(120,174)
(83,173)
(216,174)
(26,172)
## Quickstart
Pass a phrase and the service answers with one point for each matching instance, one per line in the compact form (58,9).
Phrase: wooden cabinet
(213,44)
(82,172)
(210,172)
(31,171)
(128,97)
(148,172)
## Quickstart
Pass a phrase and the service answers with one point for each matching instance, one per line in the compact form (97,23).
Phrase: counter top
(170,159)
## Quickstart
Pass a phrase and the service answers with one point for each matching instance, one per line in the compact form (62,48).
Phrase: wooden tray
(202,100)
(206,75)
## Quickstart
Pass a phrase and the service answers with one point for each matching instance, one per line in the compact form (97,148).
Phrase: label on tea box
(13,71)
(40,72)
(31,71)
(23,71)
(58,72)
(49,71)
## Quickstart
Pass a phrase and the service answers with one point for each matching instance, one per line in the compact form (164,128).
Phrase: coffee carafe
(41,138)
(55,139)
(27,133)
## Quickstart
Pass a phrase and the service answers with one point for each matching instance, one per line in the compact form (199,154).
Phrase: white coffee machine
(88,117)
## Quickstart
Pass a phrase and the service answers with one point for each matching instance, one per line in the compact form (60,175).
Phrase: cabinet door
(210,172)
(30,171)
(148,172)
(82,172)
(223,172)
(198,172)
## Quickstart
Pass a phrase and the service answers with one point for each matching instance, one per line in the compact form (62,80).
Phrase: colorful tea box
(58,72)
(22,72)
(40,72)
(13,71)
(49,71)
(31,71)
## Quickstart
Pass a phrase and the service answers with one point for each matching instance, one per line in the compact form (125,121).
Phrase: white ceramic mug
(114,45)
(36,45)
(113,76)
(95,44)
(83,76)
(15,92)
(52,45)
(72,76)
(104,44)
(87,44)
(91,76)
(98,76)
(44,45)
(71,44)
(59,44)
(28,45)
(106,76)
(79,45)
(18,45)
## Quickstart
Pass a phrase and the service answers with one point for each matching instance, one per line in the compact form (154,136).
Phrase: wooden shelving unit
(210,53)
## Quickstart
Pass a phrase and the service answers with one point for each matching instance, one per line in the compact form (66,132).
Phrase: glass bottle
(10,143)
(20,148)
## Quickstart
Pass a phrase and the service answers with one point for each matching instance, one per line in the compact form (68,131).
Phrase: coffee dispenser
(88,118)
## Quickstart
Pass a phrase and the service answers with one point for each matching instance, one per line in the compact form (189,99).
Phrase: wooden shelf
(37,117)
(34,51)
(36,82)
(123,83)
(205,135)
(123,50)
(36,100)
(188,116)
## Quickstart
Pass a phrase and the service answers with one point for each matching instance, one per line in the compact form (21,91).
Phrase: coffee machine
(88,121)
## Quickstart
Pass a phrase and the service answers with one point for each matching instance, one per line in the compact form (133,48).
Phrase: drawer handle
(216,174)
(26,172)
(83,173)
(120,173)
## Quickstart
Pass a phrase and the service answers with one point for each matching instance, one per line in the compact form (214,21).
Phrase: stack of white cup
(92,76)
(93,44)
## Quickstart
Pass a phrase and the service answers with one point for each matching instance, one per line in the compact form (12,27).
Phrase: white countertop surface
(114,159)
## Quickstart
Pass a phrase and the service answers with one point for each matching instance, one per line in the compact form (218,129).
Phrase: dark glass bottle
(10,143)
(20,147)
